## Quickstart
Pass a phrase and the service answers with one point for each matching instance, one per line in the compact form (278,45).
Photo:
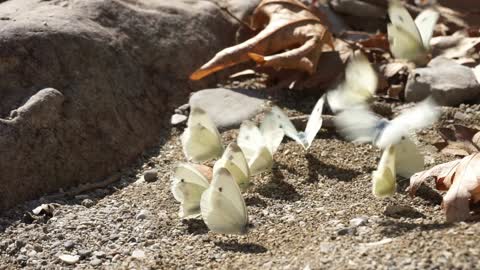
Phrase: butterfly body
(222,205)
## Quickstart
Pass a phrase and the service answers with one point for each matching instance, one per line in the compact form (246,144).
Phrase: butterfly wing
(222,206)
(200,144)
(257,152)
(199,116)
(201,140)
(250,139)
(314,122)
(234,161)
(420,116)
(425,23)
(287,125)
(400,17)
(404,38)
(272,132)
(261,162)
(358,124)
(408,159)
(383,179)
(187,188)
(360,79)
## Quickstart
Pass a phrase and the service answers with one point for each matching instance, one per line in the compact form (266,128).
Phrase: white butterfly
(314,124)
(362,125)
(384,181)
(201,140)
(222,205)
(408,159)
(359,86)
(410,39)
(187,188)
(235,162)
(259,145)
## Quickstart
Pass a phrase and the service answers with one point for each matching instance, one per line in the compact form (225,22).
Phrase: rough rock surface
(229,107)
(448,82)
(118,68)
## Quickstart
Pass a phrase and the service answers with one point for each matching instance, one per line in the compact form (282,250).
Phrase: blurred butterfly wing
(287,125)
(250,139)
(357,124)
(425,23)
(271,131)
(200,144)
(384,178)
(408,159)
(314,122)
(261,162)
(222,206)
(420,116)
(234,161)
(187,188)
(360,79)
(400,18)
(405,46)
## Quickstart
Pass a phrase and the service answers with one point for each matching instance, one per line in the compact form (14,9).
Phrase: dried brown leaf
(464,189)
(439,173)
(291,37)
(461,179)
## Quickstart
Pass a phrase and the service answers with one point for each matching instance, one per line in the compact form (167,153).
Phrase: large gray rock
(228,108)
(118,69)
(448,82)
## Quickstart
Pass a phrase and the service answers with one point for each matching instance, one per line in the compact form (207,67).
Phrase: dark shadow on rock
(397,228)
(276,188)
(317,167)
(94,191)
(250,248)
(195,226)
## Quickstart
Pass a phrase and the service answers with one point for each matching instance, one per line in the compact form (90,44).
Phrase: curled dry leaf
(459,141)
(462,180)
(291,36)
(455,46)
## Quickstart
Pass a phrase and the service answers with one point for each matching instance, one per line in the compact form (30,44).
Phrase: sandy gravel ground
(314,210)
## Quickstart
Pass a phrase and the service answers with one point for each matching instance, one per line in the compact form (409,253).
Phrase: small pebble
(37,248)
(178,119)
(138,254)
(84,253)
(461,116)
(19,244)
(99,254)
(22,258)
(95,262)
(142,215)
(184,108)
(356,222)
(69,244)
(69,259)
(88,203)
(150,175)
